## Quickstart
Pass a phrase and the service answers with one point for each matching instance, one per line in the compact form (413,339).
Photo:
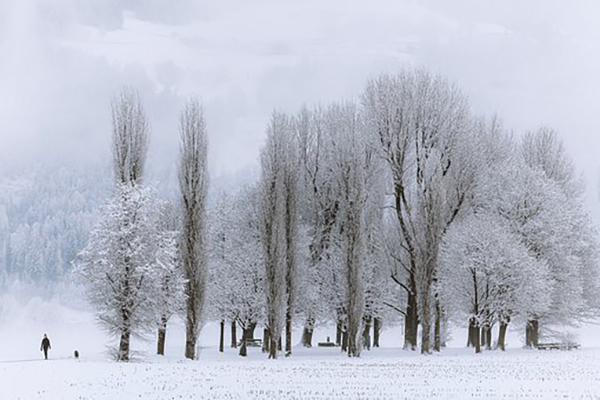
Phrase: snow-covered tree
(236,269)
(291,185)
(573,255)
(246,259)
(487,274)
(544,150)
(351,164)
(119,261)
(377,270)
(422,124)
(220,297)
(193,183)
(341,210)
(169,273)
(319,206)
(119,265)
(277,215)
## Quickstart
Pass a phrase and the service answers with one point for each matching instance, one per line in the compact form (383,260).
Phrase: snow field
(454,375)
(317,373)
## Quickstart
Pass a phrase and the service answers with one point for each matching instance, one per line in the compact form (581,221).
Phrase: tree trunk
(272,347)
(471,340)
(475,336)
(243,348)
(290,235)
(502,336)
(488,339)
(124,345)
(190,341)
(411,321)
(279,344)
(425,326)
(307,333)
(437,341)
(288,331)
(476,330)
(338,334)
(191,323)
(248,333)
(376,331)
(233,334)
(353,345)
(160,347)
(222,336)
(366,336)
(266,341)
(483,336)
(444,330)
(532,334)
(535,333)
(162,335)
(344,341)
(469,336)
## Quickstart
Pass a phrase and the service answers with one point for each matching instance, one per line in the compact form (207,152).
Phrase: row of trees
(404,205)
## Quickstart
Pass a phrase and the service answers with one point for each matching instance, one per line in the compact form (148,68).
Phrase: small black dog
(76,354)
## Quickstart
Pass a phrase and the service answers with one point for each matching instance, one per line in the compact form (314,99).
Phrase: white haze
(532,62)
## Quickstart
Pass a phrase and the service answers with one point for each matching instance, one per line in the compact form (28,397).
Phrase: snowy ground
(517,374)
(318,373)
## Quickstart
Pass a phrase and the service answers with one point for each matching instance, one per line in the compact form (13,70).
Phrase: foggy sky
(533,63)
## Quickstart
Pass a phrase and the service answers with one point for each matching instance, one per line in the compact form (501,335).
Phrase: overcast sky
(532,63)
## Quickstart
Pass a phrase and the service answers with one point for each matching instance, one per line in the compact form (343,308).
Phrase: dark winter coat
(45,344)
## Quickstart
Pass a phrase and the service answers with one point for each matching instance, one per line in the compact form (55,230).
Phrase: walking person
(45,346)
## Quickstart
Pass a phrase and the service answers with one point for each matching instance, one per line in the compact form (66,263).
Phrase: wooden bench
(328,343)
(558,346)
(252,343)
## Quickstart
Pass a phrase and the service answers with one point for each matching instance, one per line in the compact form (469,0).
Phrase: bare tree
(193,182)
(130,137)
(274,232)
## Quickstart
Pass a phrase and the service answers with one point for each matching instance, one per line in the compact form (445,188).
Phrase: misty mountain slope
(45,218)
